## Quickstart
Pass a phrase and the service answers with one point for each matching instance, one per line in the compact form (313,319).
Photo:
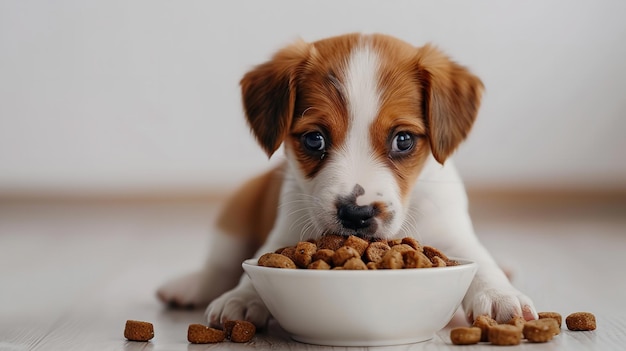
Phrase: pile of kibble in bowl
(355,253)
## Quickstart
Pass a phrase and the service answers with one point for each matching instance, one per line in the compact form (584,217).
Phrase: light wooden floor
(72,273)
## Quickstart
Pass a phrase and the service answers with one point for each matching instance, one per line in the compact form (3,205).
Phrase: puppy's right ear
(269,95)
(451,100)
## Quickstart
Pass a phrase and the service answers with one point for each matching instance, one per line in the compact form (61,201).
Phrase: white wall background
(143,95)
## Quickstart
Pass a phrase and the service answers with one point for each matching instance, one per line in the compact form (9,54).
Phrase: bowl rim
(464,264)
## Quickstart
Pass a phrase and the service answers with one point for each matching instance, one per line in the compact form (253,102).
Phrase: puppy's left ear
(451,98)
(269,94)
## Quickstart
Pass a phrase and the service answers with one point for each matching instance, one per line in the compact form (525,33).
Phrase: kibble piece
(343,254)
(415,259)
(376,250)
(394,242)
(438,262)
(505,335)
(276,261)
(228,327)
(371,266)
(201,334)
(518,322)
(138,330)
(239,331)
(325,255)
(556,316)
(412,242)
(431,252)
(355,263)
(581,321)
(401,248)
(450,263)
(484,323)
(303,254)
(465,335)
(330,241)
(289,252)
(319,264)
(357,243)
(392,260)
(540,330)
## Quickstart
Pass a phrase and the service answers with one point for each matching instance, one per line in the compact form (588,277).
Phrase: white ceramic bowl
(362,308)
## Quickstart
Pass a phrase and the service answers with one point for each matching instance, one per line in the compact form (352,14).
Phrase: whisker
(410,226)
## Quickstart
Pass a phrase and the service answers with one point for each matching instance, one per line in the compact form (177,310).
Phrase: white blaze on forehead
(356,157)
(361,84)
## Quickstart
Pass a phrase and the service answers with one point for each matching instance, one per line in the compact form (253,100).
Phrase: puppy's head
(358,116)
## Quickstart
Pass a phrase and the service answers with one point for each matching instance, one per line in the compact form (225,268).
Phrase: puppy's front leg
(243,302)
(490,293)
(220,273)
(442,218)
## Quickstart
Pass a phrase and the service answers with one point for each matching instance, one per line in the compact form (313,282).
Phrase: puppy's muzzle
(356,217)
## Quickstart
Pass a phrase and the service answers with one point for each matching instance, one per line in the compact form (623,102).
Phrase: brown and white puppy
(368,123)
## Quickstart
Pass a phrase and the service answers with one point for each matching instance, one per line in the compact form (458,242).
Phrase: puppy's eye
(314,142)
(402,143)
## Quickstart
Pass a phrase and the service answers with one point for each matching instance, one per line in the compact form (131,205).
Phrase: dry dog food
(416,259)
(355,263)
(355,253)
(276,260)
(465,335)
(392,260)
(504,335)
(359,244)
(330,242)
(303,254)
(484,323)
(239,331)
(581,321)
(235,331)
(554,315)
(541,330)
(201,334)
(319,264)
(518,322)
(376,250)
(343,254)
(138,330)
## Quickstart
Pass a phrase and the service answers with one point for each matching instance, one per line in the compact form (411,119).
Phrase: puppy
(367,124)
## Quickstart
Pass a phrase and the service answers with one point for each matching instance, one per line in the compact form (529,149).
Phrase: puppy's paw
(241,303)
(184,292)
(501,305)
(195,289)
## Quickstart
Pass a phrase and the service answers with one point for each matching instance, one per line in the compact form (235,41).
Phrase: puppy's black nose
(355,217)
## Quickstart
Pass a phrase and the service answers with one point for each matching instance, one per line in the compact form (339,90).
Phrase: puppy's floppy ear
(451,98)
(269,94)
